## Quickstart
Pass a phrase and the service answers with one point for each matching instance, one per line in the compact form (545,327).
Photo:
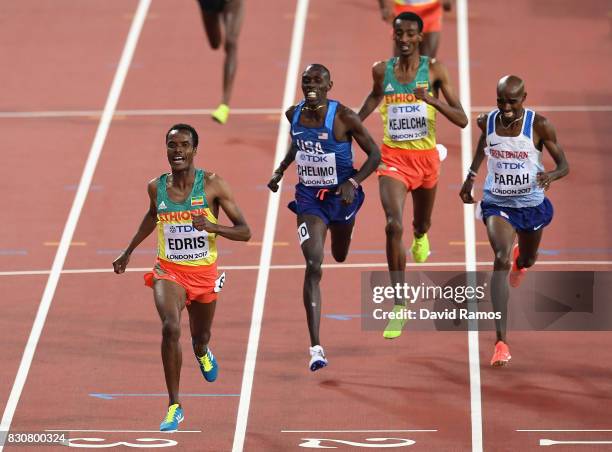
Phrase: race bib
(183,242)
(511,177)
(407,122)
(316,170)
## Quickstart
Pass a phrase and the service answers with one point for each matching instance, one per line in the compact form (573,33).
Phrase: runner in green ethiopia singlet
(408,122)
(178,241)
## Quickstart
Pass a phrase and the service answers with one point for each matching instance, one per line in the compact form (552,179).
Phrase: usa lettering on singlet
(513,164)
(321,160)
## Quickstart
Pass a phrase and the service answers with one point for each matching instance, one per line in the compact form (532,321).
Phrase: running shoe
(516,274)
(221,114)
(173,418)
(501,356)
(317,358)
(420,249)
(208,366)
(395,325)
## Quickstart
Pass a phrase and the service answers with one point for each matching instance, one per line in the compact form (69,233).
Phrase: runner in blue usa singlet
(328,193)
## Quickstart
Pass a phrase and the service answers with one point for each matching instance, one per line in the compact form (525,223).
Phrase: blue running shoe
(173,418)
(208,366)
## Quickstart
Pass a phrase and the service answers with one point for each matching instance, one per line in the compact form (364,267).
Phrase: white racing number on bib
(407,122)
(303,233)
(185,243)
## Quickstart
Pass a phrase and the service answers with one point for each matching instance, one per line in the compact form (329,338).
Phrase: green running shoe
(221,113)
(395,325)
(420,249)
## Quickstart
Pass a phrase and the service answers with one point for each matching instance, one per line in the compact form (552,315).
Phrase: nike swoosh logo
(348,217)
(296,133)
(493,144)
(538,227)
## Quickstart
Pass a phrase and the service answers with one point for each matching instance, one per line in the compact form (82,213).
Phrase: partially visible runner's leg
(501,236)
(170,300)
(393,196)
(423,200)
(341,239)
(200,322)
(524,255)
(232,19)
(312,248)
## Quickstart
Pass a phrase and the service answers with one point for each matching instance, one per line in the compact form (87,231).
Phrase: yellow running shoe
(395,325)
(221,113)
(420,249)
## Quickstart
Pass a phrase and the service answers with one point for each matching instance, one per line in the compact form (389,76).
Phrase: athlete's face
(510,102)
(406,36)
(315,85)
(179,147)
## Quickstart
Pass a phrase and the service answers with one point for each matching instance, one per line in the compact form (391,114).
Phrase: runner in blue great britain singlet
(513,208)
(511,190)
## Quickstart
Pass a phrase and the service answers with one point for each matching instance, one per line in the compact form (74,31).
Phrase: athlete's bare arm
(466,190)
(277,175)
(377,93)
(440,80)
(546,137)
(147,225)
(219,194)
(347,125)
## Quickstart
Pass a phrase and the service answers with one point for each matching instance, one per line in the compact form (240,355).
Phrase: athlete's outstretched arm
(147,225)
(548,138)
(277,175)
(222,195)
(355,128)
(452,108)
(466,190)
(377,93)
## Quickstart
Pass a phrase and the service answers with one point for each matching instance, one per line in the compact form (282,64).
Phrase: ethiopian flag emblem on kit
(197,201)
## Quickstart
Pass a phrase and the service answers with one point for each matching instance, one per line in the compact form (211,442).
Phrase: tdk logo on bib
(407,108)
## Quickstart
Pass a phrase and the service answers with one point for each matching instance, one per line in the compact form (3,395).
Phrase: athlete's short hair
(412,17)
(321,68)
(185,127)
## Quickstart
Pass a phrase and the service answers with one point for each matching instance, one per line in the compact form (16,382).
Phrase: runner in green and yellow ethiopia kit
(409,86)
(184,207)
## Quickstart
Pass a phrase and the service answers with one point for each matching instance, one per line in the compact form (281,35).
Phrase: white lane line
(358,431)
(463,54)
(134,112)
(77,271)
(75,212)
(552,442)
(254,111)
(293,68)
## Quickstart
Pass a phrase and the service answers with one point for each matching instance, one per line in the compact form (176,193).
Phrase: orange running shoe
(501,356)
(516,274)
